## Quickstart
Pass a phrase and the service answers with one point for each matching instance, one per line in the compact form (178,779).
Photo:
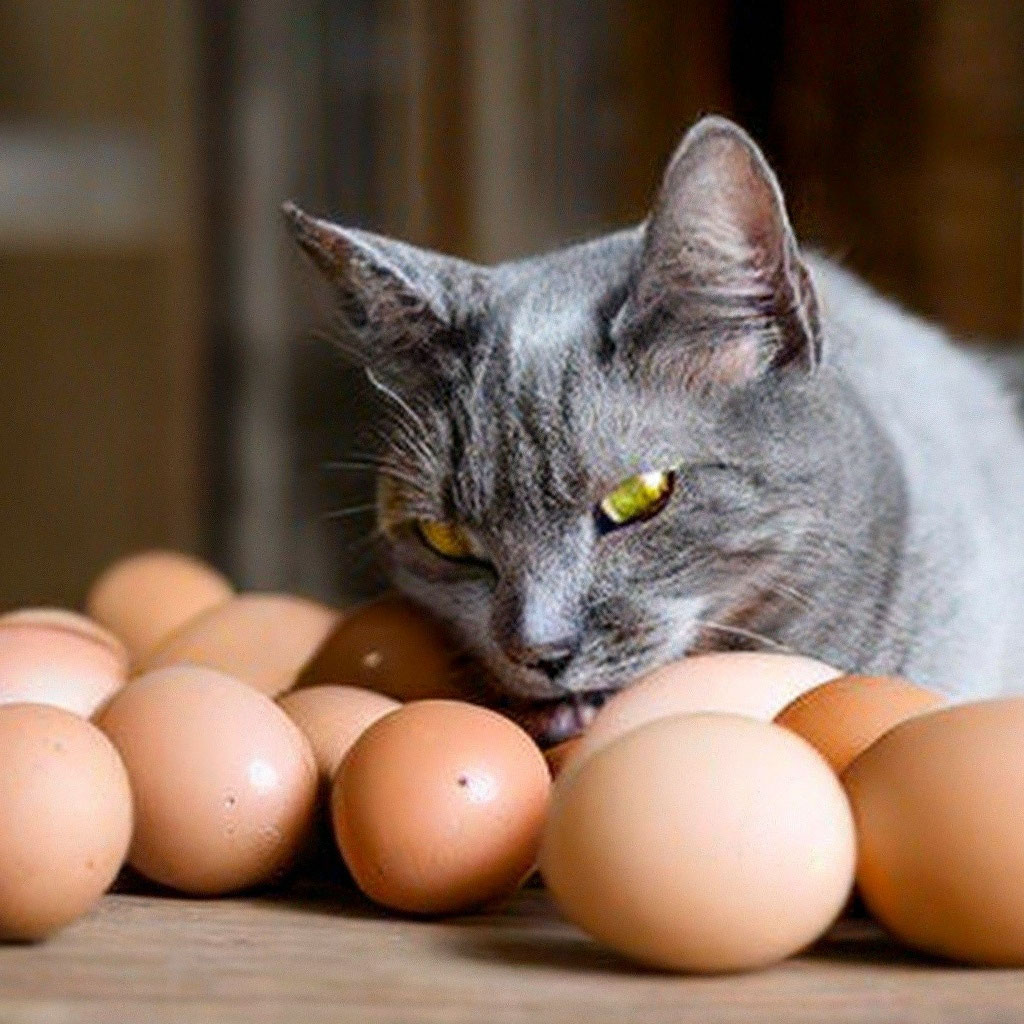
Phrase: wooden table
(318,954)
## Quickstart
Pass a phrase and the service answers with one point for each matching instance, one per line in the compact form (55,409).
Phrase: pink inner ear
(723,366)
(320,240)
(722,295)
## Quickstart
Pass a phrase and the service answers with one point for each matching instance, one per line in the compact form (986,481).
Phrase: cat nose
(535,621)
(554,666)
(549,658)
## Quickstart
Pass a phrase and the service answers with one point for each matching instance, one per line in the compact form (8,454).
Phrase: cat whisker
(396,398)
(784,590)
(383,468)
(348,464)
(354,510)
(410,447)
(359,459)
(746,634)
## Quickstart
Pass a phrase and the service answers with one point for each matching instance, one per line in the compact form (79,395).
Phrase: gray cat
(685,436)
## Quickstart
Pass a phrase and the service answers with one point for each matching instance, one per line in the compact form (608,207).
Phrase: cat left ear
(721,296)
(397,302)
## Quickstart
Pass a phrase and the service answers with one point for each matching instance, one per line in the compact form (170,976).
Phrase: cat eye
(640,497)
(449,540)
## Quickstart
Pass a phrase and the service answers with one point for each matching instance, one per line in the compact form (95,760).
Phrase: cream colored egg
(65,818)
(701,842)
(742,683)
(69,669)
(72,622)
(224,782)
(262,639)
(144,598)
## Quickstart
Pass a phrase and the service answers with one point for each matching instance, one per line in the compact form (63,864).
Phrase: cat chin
(552,721)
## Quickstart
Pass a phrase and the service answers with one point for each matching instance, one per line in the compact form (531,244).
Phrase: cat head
(597,452)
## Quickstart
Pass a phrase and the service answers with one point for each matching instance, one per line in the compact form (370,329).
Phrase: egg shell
(333,718)
(389,646)
(843,717)
(742,683)
(939,808)
(559,755)
(65,818)
(701,843)
(144,598)
(224,782)
(262,639)
(73,622)
(65,668)
(438,807)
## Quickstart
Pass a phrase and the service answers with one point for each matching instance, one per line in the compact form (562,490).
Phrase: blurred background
(160,381)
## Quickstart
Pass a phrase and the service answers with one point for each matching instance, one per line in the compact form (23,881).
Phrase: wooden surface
(313,956)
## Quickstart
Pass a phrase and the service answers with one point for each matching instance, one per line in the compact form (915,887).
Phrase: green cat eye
(640,497)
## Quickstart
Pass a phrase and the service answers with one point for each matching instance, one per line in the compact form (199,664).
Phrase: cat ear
(721,295)
(396,302)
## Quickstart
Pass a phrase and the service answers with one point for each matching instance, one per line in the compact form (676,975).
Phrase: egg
(333,718)
(438,807)
(389,646)
(262,639)
(743,683)
(558,756)
(224,782)
(45,663)
(145,597)
(939,808)
(65,818)
(843,717)
(72,622)
(702,843)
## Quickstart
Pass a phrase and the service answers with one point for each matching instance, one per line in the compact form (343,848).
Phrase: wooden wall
(903,149)
(101,382)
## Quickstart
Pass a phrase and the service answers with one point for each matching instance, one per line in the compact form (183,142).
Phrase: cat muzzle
(552,721)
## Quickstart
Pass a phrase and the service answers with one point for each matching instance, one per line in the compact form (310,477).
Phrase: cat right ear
(395,301)
(721,295)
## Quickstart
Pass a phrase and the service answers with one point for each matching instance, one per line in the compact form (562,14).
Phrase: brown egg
(261,639)
(389,646)
(47,664)
(558,756)
(843,717)
(701,842)
(62,618)
(146,597)
(65,818)
(754,684)
(224,781)
(939,807)
(333,718)
(438,807)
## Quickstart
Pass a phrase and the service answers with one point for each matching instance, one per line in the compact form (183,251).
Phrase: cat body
(953,613)
(829,475)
